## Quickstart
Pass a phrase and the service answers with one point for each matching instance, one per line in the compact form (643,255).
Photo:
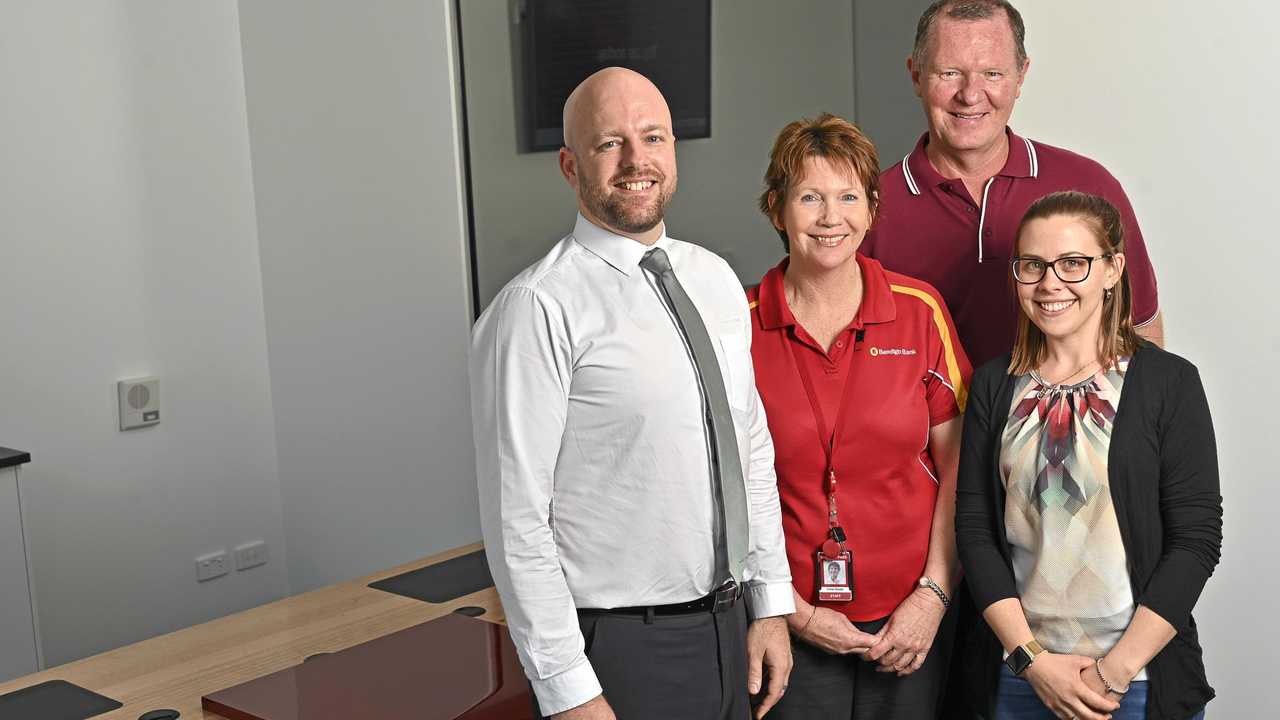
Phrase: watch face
(1019,660)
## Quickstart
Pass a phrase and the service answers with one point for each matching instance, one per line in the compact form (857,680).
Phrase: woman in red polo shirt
(863,381)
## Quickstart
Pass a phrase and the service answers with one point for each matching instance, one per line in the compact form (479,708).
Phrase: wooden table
(175,670)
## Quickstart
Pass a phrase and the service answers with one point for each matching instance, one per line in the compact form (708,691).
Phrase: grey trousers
(677,667)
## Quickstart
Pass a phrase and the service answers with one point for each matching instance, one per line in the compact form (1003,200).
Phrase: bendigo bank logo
(878,351)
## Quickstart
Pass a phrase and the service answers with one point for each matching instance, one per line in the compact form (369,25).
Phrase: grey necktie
(730,492)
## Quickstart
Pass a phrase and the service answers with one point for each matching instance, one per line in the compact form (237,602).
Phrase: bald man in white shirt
(608,497)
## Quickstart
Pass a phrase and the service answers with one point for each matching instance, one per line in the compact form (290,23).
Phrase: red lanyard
(825,439)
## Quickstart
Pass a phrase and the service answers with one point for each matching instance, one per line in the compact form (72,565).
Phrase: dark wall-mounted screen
(668,41)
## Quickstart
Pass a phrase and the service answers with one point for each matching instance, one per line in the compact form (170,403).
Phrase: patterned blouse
(1068,557)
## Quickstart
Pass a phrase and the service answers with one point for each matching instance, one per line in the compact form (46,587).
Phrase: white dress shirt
(592,452)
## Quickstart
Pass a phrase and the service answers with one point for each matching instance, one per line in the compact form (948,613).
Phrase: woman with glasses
(1088,516)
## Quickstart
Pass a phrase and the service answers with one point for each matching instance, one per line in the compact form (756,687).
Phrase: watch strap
(925,582)
(1034,648)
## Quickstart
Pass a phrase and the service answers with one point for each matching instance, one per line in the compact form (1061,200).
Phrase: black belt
(719,600)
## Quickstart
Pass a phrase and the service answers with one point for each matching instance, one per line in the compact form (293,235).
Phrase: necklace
(1054,386)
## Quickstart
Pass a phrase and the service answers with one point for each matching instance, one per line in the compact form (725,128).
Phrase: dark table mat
(441,582)
(54,700)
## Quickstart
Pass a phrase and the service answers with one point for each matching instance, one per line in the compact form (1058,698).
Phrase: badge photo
(835,577)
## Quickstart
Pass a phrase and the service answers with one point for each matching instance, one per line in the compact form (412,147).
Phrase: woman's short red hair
(827,136)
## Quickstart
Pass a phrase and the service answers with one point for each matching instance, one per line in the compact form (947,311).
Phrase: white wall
(356,166)
(129,247)
(771,63)
(1178,100)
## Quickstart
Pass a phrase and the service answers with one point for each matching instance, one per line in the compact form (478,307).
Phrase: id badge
(835,576)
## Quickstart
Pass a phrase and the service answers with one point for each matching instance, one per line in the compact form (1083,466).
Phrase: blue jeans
(1017,700)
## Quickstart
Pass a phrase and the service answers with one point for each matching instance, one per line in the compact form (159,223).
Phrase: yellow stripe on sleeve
(753,304)
(948,348)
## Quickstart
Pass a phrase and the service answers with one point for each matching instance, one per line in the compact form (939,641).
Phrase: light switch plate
(251,554)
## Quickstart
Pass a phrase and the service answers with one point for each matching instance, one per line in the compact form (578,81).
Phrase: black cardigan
(1162,468)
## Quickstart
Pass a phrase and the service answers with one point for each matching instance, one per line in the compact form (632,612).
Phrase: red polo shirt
(910,373)
(930,228)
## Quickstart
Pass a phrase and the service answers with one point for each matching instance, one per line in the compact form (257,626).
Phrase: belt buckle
(726,597)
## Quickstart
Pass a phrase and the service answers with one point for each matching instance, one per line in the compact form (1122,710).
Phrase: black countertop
(10,457)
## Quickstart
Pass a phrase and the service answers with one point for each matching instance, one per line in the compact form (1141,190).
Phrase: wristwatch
(1022,657)
(925,582)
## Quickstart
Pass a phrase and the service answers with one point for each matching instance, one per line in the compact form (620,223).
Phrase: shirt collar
(1022,161)
(877,299)
(919,173)
(623,253)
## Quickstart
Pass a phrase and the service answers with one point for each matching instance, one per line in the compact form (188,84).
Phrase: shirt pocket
(735,365)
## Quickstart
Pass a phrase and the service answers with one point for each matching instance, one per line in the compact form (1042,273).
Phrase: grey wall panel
(771,63)
(353,123)
(888,109)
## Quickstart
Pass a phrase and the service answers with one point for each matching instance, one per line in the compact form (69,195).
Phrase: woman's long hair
(1116,338)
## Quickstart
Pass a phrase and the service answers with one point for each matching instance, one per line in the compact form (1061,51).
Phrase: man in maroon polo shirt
(950,210)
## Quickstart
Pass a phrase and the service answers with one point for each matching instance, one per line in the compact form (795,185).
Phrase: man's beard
(615,210)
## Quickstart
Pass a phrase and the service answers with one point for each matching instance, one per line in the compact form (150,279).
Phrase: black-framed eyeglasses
(1069,269)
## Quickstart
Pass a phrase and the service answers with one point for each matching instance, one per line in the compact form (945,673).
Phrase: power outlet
(251,555)
(211,566)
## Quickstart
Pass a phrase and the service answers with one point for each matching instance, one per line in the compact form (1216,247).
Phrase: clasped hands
(1070,687)
(901,646)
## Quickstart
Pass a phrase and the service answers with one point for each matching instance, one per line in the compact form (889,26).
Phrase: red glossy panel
(451,668)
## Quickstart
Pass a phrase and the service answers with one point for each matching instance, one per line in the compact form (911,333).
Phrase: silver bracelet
(925,582)
(1097,665)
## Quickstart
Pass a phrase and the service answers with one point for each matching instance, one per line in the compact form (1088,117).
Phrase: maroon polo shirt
(909,374)
(929,228)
